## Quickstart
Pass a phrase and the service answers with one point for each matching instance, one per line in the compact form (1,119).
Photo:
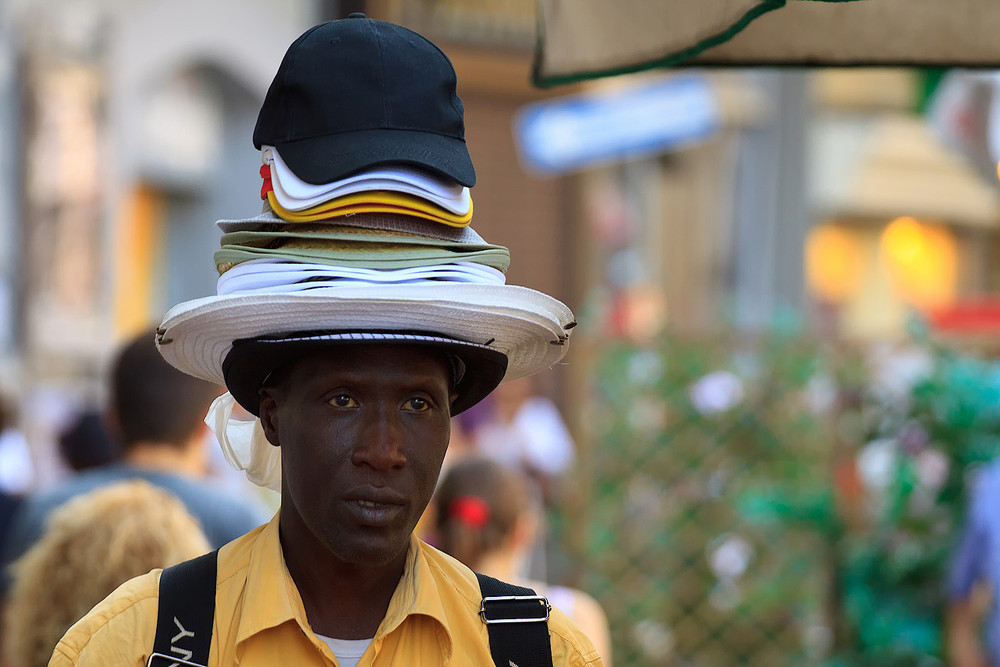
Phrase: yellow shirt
(432,620)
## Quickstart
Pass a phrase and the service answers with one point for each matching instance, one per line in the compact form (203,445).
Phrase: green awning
(583,39)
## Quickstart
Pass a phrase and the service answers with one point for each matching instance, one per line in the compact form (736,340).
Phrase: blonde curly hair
(91,545)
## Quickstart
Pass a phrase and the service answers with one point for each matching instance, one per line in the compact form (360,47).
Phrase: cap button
(357,15)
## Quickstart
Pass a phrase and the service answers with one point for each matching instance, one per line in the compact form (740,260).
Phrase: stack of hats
(384,189)
(364,237)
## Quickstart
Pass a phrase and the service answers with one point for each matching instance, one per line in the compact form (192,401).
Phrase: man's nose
(380,444)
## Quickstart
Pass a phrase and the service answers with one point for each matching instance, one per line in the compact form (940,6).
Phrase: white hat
(527,327)
(295,194)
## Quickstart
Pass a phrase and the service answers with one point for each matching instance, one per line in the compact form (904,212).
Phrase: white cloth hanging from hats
(265,276)
(244,444)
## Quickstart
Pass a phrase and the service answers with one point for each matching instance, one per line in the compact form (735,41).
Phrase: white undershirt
(347,651)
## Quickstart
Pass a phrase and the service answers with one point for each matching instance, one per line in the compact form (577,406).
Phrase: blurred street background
(784,376)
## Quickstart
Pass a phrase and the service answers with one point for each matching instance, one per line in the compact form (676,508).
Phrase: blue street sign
(570,133)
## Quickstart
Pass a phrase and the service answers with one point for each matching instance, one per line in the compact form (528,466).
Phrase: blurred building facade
(905,220)
(126,132)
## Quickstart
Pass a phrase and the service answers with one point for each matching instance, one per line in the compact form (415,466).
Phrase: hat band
(455,363)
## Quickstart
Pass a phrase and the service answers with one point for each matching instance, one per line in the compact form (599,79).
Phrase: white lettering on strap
(184,654)
(183,633)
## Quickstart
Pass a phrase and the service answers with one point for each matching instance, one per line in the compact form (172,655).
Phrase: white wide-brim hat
(528,327)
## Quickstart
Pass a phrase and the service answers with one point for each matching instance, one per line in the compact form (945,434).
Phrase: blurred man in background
(158,416)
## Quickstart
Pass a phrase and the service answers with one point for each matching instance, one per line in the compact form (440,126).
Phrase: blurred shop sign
(570,133)
(971,316)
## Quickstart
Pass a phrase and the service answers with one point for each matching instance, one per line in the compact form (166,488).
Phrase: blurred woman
(487,516)
(91,545)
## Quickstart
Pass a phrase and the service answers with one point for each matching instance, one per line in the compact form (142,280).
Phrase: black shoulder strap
(186,613)
(517,620)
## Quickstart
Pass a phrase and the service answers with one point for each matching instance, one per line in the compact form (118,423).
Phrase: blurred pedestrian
(17,470)
(525,430)
(90,546)
(158,417)
(488,518)
(972,615)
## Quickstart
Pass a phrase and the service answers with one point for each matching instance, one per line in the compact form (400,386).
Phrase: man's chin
(373,553)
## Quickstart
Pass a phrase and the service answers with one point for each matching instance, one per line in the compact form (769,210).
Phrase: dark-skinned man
(354,317)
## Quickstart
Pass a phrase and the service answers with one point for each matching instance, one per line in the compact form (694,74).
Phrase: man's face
(363,431)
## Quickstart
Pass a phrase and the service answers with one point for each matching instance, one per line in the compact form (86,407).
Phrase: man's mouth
(371,513)
(373,506)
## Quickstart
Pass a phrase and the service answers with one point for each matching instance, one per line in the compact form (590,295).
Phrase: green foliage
(893,568)
(729,524)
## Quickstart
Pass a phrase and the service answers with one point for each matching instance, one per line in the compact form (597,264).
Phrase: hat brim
(528,327)
(251,361)
(324,159)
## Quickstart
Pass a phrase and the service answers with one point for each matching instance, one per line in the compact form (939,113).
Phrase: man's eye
(418,404)
(343,401)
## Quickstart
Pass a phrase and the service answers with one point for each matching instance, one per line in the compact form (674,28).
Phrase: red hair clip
(470,510)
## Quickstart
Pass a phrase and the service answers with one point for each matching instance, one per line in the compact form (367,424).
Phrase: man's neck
(165,457)
(329,587)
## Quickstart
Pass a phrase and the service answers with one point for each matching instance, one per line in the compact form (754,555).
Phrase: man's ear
(269,416)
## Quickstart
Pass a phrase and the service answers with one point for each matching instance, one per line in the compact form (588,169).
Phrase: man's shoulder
(30,516)
(569,645)
(451,576)
(220,499)
(77,484)
(119,630)
(222,515)
(235,557)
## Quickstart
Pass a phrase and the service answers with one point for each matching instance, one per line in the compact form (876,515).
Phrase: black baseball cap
(355,93)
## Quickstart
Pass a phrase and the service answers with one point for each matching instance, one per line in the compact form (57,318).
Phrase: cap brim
(528,327)
(251,361)
(325,159)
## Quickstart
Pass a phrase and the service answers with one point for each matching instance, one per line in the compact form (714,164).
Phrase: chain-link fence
(726,520)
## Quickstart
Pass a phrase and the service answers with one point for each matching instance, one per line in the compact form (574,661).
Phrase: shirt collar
(418,593)
(271,600)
